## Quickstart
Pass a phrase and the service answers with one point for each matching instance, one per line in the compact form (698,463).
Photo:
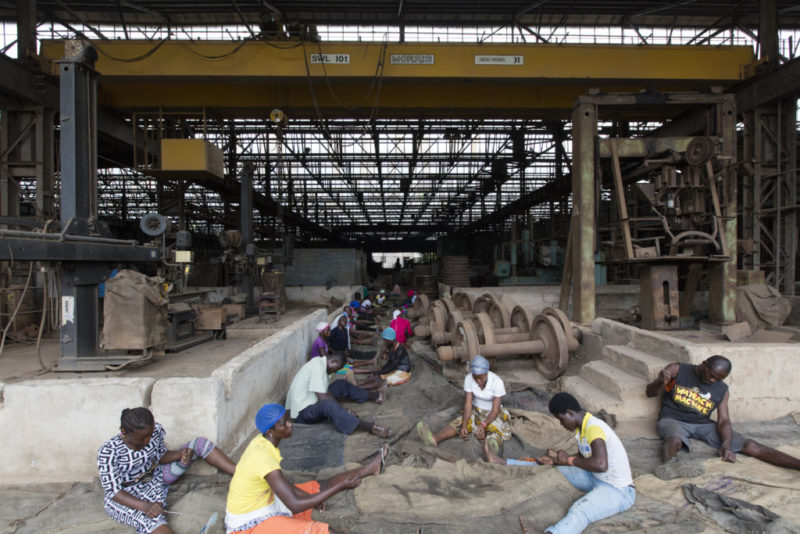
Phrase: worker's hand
(463,434)
(480,432)
(545,460)
(726,454)
(562,458)
(664,376)
(153,509)
(186,456)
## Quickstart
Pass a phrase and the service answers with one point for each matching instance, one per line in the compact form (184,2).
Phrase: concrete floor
(20,362)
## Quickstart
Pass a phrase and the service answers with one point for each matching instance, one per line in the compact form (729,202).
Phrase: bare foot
(491,457)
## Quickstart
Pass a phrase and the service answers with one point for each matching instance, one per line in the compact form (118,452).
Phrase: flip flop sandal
(425,434)
(494,444)
(384,451)
(211,524)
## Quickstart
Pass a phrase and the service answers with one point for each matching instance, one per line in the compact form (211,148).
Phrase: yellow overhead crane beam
(249,78)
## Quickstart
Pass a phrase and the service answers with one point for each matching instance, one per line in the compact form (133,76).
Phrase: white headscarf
(321,327)
(396,313)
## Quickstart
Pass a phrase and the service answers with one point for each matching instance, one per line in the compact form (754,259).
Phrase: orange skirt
(298,524)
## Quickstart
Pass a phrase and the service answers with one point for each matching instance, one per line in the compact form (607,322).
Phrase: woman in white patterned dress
(136,470)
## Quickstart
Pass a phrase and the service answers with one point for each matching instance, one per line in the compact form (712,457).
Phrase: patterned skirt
(501,426)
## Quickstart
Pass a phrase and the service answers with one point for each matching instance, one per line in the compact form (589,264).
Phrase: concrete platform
(59,420)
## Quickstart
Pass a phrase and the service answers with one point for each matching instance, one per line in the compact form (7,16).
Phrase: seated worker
(136,470)
(483,412)
(380,298)
(396,370)
(691,393)
(339,340)
(312,398)
(601,469)
(401,326)
(412,297)
(320,345)
(359,337)
(260,498)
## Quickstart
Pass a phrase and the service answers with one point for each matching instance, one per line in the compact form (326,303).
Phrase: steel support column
(79,301)
(246,225)
(584,128)
(722,279)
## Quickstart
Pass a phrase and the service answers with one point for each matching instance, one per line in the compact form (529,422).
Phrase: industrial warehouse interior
(425,204)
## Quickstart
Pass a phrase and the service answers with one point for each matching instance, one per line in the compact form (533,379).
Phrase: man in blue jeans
(601,468)
(312,398)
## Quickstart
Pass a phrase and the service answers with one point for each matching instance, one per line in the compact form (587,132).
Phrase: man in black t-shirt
(691,394)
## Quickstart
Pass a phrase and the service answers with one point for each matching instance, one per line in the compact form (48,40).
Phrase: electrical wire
(132,59)
(19,304)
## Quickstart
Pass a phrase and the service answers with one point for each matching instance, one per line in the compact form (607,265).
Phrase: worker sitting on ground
(339,340)
(136,470)
(396,370)
(380,298)
(262,501)
(691,393)
(601,469)
(320,345)
(312,398)
(483,413)
(363,320)
(401,326)
(358,337)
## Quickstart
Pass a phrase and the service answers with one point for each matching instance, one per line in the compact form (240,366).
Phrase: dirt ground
(448,489)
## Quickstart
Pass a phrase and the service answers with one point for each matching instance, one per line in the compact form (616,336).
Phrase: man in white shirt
(312,399)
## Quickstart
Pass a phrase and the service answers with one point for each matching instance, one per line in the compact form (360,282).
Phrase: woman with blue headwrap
(483,412)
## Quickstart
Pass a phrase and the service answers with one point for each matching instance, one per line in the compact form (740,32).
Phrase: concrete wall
(326,267)
(320,294)
(53,428)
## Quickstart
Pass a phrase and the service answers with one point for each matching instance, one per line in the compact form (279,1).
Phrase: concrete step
(612,379)
(589,395)
(671,348)
(592,398)
(634,361)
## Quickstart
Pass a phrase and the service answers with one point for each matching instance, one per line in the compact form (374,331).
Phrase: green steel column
(722,291)
(584,129)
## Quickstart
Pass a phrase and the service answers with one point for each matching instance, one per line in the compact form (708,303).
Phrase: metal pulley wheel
(699,150)
(153,224)
(449,305)
(463,301)
(499,314)
(519,319)
(465,344)
(566,325)
(553,361)
(484,327)
(445,337)
(483,302)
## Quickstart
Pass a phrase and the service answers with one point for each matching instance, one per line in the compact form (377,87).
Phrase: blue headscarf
(479,365)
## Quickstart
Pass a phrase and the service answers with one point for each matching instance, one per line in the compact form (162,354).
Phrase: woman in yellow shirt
(262,501)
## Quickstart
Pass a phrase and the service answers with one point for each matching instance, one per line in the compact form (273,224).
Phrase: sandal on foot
(425,434)
(384,452)
(494,444)
(381,431)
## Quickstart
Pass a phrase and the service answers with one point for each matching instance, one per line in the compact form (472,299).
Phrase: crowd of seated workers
(136,468)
